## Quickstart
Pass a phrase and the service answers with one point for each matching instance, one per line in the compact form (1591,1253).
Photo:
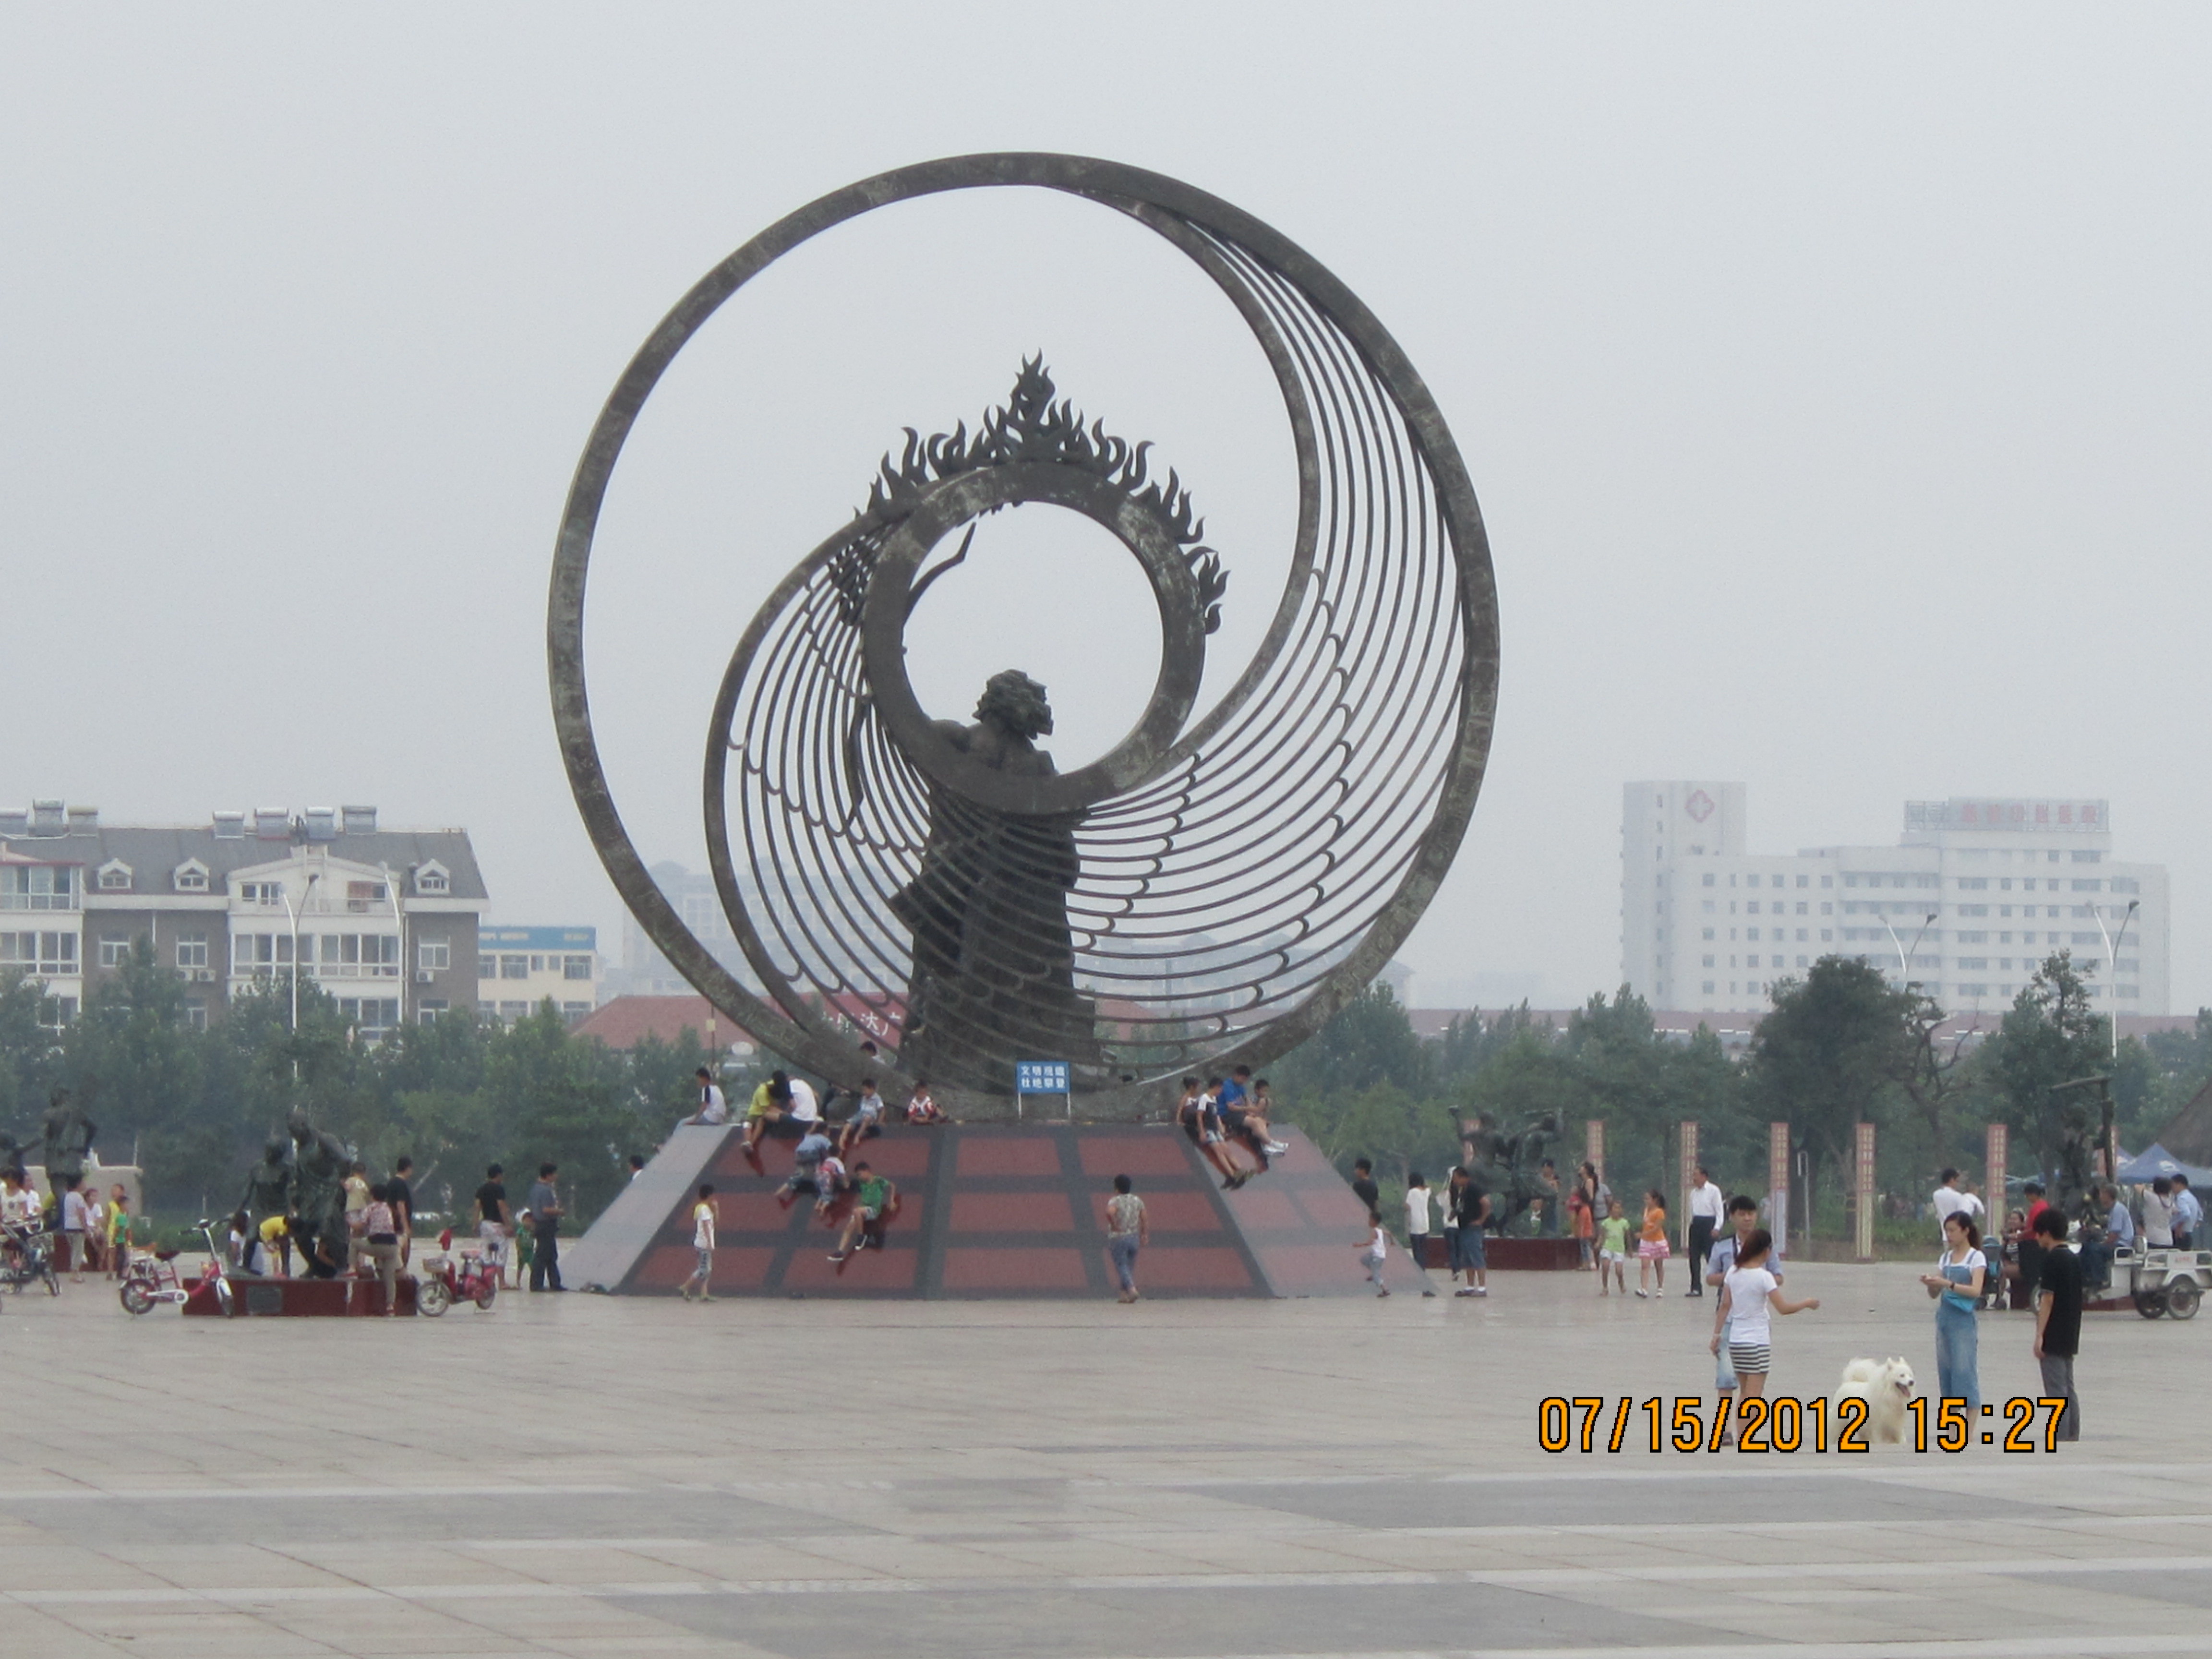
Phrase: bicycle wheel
(488,1290)
(433,1297)
(137,1299)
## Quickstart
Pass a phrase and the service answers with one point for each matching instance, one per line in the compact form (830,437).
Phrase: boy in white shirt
(704,1214)
(804,1110)
(1374,1250)
(868,1118)
(73,1222)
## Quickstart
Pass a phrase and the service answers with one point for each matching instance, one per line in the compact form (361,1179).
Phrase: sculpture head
(274,1152)
(296,1122)
(1015,705)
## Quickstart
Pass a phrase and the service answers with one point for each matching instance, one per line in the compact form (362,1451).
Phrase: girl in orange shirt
(1652,1245)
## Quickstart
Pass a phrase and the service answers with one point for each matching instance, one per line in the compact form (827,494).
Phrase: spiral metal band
(1236,880)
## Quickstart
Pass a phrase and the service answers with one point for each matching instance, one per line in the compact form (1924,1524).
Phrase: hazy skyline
(1832,382)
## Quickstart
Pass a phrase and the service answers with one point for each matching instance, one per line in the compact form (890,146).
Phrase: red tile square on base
(982,1269)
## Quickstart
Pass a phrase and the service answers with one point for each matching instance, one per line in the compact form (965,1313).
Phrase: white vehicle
(2161,1280)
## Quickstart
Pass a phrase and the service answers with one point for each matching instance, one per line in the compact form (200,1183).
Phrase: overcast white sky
(1834,381)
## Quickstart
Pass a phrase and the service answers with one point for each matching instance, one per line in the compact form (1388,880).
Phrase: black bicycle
(27,1257)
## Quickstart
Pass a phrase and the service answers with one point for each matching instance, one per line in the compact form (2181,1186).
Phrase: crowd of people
(87,1231)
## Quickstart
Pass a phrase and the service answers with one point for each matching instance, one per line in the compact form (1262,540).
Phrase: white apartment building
(1977,892)
(384,921)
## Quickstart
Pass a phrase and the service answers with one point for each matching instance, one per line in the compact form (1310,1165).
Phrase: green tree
(1825,1056)
(29,1050)
(2049,1036)
(553,1096)
(1370,1040)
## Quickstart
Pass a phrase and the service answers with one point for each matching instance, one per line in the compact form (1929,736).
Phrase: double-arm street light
(1904,957)
(2112,960)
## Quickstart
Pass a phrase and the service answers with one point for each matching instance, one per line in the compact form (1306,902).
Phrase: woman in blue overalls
(1957,1282)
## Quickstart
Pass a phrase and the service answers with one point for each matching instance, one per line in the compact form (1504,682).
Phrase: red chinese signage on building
(2040,816)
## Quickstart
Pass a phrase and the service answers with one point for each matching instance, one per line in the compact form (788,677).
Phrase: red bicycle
(442,1285)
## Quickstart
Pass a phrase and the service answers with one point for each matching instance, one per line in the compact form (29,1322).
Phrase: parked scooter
(152,1276)
(442,1285)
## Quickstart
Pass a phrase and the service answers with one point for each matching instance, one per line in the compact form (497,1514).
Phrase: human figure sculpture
(68,1134)
(318,1195)
(1511,1166)
(268,1184)
(994,958)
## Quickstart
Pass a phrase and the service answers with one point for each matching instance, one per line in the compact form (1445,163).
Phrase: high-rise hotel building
(1975,894)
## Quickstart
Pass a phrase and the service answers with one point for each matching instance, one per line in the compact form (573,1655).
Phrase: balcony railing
(70,901)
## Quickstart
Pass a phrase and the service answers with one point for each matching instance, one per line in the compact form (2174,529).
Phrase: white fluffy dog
(1886,1385)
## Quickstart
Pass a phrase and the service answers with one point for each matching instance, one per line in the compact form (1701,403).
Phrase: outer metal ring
(1228,244)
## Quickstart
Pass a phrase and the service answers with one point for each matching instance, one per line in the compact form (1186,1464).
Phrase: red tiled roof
(626,1021)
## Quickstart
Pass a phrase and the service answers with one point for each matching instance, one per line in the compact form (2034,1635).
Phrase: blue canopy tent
(2155,1161)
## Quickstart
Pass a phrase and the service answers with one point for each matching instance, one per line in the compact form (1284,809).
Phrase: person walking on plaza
(1127,1232)
(1374,1251)
(1751,1295)
(1702,1202)
(1466,1212)
(1580,1227)
(1652,1245)
(1418,1199)
(1948,1201)
(1956,1285)
(1613,1249)
(2188,1214)
(704,1214)
(546,1230)
(2058,1318)
(1743,1221)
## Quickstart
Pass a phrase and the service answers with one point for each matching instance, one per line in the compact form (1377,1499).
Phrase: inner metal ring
(945,508)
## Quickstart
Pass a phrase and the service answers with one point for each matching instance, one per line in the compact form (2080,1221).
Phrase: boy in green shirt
(874,1198)
(1613,1249)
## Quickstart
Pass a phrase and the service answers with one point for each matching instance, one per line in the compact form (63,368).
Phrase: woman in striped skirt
(1749,1296)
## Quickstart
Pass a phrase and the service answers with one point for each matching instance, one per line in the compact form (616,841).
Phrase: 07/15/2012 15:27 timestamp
(1783,1423)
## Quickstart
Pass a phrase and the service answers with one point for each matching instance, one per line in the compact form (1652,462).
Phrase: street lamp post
(1903,957)
(2112,960)
(293,915)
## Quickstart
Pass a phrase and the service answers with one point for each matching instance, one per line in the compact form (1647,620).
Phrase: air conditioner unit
(203,975)
(424,976)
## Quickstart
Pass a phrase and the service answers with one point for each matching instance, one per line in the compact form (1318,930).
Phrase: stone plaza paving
(585,1475)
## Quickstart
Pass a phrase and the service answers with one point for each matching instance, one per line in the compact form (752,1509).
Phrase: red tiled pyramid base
(997,1211)
(297,1298)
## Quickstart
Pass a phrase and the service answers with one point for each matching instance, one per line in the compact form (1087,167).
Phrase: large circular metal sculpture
(1209,892)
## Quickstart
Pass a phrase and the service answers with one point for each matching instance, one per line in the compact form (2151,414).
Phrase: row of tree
(1838,1046)
(195,1106)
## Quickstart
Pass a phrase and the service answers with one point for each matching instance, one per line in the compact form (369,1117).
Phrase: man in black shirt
(400,1195)
(2058,1318)
(1362,1184)
(1467,1212)
(494,1224)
